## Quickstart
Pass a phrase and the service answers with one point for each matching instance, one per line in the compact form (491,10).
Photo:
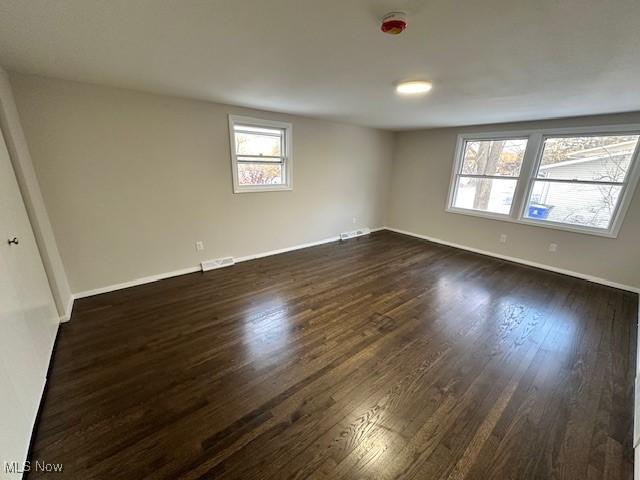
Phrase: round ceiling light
(414,87)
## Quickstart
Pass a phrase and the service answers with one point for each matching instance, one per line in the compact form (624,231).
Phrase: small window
(488,175)
(260,154)
(579,180)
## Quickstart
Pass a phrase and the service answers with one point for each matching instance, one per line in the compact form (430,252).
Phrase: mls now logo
(28,466)
(16,467)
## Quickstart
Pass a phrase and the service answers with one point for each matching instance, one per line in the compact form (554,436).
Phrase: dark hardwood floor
(382,357)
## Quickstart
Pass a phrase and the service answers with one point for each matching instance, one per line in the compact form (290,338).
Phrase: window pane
(485,194)
(494,157)
(573,203)
(602,158)
(258,144)
(260,174)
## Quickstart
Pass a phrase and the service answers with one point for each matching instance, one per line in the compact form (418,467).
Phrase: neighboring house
(584,203)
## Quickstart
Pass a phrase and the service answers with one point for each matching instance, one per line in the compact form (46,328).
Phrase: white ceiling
(490,61)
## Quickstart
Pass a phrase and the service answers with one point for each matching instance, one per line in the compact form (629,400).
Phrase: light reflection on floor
(515,319)
(266,328)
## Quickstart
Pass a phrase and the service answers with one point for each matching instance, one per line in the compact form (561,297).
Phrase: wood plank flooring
(383,357)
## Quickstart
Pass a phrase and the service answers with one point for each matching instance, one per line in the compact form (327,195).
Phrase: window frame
(529,171)
(287,157)
(461,143)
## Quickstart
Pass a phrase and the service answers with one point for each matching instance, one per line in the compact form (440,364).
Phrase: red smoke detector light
(393,23)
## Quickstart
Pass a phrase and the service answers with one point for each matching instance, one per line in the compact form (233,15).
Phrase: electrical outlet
(553,247)
(354,220)
(199,246)
(503,238)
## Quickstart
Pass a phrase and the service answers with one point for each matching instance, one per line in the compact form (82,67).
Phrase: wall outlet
(354,220)
(199,246)
(553,247)
(503,238)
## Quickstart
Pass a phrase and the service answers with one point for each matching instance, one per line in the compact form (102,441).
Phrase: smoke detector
(394,23)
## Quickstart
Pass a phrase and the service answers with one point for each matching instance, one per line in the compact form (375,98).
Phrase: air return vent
(354,233)
(217,263)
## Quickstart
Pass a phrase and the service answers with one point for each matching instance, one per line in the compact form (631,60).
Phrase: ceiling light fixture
(414,87)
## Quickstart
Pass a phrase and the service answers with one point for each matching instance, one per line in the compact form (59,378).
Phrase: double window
(578,180)
(260,154)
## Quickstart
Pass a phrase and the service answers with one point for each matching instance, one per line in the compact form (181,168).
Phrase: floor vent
(355,233)
(217,263)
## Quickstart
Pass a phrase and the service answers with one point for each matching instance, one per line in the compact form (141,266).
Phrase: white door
(28,322)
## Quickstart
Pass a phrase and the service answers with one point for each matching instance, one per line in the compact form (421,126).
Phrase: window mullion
(527,173)
(246,155)
(488,177)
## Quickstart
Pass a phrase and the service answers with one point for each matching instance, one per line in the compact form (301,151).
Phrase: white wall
(131,180)
(420,182)
(34,203)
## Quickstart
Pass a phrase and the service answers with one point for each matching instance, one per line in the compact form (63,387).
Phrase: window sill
(262,188)
(534,223)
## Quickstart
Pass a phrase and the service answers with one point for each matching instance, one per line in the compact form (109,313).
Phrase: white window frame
(457,172)
(529,171)
(287,157)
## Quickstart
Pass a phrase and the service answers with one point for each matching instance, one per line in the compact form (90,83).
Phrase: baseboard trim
(287,249)
(135,282)
(68,311)
(184,271)
(571,273)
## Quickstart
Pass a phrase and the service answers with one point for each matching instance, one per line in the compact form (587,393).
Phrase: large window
(260,154)
(579,180)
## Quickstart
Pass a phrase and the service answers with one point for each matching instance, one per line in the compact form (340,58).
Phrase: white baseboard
(175,273)
(584,276)
(67,312)
(287,249)
(297,247)
(135,282)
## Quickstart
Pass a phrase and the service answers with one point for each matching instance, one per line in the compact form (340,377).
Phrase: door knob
(13,241)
